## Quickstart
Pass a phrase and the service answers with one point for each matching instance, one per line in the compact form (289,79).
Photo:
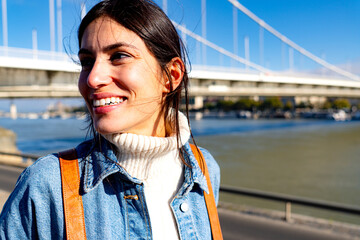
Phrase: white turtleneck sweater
(156,162)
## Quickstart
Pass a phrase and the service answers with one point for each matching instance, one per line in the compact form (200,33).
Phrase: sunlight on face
(121,81)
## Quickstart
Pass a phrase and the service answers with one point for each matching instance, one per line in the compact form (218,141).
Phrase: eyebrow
(117,45)
(109,48)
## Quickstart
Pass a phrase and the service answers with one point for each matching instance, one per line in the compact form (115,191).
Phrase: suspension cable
(284,39)
(220,49)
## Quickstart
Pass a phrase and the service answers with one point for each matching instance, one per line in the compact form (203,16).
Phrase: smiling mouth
(108,101)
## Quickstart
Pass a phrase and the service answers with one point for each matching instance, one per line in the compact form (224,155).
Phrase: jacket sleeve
(16,219)
(34,209)
(214,172)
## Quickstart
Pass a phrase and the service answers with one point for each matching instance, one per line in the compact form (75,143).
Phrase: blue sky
(328,28)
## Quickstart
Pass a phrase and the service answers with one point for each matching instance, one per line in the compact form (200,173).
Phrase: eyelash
(88,62)
(118,56)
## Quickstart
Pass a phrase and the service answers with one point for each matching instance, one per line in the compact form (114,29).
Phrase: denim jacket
(34,209)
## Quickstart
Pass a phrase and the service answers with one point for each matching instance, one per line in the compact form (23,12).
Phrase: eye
(86,62)
(117,56)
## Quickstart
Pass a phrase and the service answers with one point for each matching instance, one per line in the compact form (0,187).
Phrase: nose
(99,75)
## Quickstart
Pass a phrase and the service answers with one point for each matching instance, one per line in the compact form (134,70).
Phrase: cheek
(131,80)
(82,85)
(144,81)
(84,90)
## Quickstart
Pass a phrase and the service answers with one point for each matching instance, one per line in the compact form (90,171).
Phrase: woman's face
(120,80)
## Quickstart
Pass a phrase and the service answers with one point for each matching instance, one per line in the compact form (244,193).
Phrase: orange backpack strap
(209,198)
(72,200)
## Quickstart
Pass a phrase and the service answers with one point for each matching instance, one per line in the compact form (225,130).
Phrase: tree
(209,105)
(327,105)
(288,105)
(301,105)
(245,104)
(225,105)
(341,104)
(272,103)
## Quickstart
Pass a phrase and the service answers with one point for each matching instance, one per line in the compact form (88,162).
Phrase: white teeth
(102,102)
(97,103)
(107,101)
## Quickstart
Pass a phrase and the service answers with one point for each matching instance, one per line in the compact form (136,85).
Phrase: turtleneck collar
(138,154)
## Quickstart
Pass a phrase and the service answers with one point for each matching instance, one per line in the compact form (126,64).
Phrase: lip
(106,109)
(96,96)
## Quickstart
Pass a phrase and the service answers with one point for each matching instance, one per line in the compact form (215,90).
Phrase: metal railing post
(288,211)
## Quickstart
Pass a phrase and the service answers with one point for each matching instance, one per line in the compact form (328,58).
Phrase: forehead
(106,31)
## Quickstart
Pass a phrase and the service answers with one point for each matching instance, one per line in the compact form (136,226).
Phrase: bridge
(33,73)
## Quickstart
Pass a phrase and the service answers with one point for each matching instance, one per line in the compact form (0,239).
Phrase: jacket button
(184,207)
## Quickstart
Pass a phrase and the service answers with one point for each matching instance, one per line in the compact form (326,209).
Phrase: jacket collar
(194,173)
(99,161)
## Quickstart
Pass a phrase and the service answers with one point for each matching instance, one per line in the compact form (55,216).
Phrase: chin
(104,128)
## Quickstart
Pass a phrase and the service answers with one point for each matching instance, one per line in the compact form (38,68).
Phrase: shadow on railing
(288,200)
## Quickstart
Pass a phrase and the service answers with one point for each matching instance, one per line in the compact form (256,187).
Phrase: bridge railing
(292,73)
(35,54)
(23,53)
(289,199)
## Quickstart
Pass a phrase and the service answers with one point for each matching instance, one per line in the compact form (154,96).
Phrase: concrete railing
(27,159)
(23,155)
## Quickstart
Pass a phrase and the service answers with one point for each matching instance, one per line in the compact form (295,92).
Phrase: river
(318,159)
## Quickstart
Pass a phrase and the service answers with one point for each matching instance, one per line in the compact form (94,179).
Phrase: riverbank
(337,115)
(329,114)
(301,113)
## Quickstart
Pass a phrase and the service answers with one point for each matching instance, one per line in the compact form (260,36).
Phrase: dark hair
(151,24)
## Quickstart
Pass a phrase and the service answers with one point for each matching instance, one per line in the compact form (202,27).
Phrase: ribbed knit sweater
(156,162)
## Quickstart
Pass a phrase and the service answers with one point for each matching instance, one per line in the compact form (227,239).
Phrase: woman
(138,176)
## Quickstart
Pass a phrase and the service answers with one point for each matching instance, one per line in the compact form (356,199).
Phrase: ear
(176,70)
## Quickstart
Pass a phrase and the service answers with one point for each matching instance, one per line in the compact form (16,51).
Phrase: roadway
(235,225)
(8,177)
